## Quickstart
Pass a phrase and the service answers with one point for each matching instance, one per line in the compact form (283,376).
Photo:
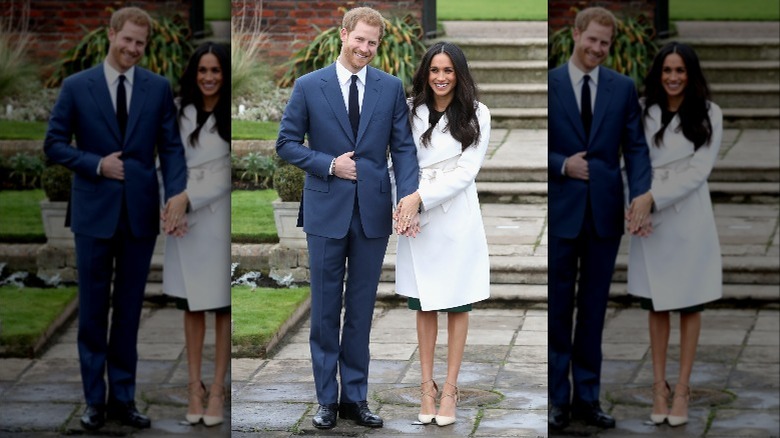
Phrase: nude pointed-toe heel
(216,403)
(661,392)
(196,390)
(443,420)
(679,420)
(427,418)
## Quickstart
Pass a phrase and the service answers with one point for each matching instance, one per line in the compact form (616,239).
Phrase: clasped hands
(638,218)
(407,216)
(174,215)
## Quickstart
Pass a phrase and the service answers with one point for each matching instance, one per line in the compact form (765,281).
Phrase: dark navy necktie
(121,105)
(585,111)
(354,108)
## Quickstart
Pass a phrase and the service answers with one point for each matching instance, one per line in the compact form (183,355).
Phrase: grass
(248,130)
(258,315)
(22,130)
(20,221)
(216,10)
(26,313)
(500,10)
(252,218)
(727,10)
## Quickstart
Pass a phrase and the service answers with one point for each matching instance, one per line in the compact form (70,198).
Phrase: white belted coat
(197,265)
(679,264)
(447,264)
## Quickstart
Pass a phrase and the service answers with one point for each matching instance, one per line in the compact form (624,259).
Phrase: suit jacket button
(354,182)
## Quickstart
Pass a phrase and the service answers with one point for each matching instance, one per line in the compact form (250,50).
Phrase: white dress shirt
(345,79)
(576,75)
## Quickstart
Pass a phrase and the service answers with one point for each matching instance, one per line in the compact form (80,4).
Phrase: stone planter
(53,215)
(286,216)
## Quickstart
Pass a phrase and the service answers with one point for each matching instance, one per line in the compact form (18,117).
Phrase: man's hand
(406,210)
(113,167)
(577,166)
(413,229)
(345,166)
(638,214)
(174,216)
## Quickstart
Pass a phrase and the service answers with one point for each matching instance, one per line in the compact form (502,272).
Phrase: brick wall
(560,13)
(290,23)
(57,25)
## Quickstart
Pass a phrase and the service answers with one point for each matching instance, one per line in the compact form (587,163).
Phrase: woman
(197,255)
(678,265)
(451,130)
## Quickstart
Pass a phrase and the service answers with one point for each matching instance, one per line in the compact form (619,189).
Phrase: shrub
(398,53)
(288,183)
(248,68)
(166,53)
(25,169)
(56,181)
(257,168)
(631,53)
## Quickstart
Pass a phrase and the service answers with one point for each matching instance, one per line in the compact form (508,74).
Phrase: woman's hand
(407,209)
(174,215)
(638,214)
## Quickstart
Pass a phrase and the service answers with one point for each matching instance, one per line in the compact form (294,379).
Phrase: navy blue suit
(115,223)
(586,223)
(347,223)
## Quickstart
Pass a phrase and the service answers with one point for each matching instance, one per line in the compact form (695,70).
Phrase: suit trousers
(329,259)
(593,258)
(125,258)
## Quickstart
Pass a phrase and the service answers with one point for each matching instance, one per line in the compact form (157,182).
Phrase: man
(594,115)
(350,113)
(117,113)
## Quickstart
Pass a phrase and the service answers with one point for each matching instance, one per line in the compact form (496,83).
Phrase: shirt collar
(112,75)
(345,75)
(576,74)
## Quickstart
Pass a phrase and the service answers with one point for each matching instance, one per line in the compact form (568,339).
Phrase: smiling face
(209,78)
(442,78)
(674,79)
(126,46)
(358,47)
(591,46)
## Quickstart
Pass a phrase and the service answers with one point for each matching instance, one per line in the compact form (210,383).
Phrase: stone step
(486,72)
(744,192)
(744,72)
(499,293)
(497,171)
(745,173)
(496,49)
(757,270)
(729,49)
(751,118)
(518,118)
(731,292)
(503,270)
(739,95)
(512,192)
(513,95)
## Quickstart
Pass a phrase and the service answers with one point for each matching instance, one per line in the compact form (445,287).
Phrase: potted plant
(56,182)
(288,183)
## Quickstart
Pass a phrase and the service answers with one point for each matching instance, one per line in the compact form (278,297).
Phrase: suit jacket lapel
(603,98)
(102,98)
(332,92)
(137,99)
(563,89)
(371,95)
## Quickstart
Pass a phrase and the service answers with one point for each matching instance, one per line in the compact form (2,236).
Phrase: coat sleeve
(170,149)
(208,183)
(403,151)
(682,183)
(455,181)
(293,129)
(635,150)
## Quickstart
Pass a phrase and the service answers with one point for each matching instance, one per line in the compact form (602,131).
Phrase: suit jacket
(316,110)
(616,128)
(84,110)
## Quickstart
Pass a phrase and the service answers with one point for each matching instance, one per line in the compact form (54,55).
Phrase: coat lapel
(332,92)
(603,98)
(565,93)
(373,90)
(137,99)
(100,95)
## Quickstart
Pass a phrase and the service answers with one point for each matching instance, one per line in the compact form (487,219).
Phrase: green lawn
(729,10)
(247,130)
(26,313)
(258,314)
(18,130)
(216,10)
(20,221)
(252,218)
(500,10)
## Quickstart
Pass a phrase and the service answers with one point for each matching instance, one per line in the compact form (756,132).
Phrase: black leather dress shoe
(360,413)
(128,415)
(558,417)
(325,418)
(592,414)
(94,417)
